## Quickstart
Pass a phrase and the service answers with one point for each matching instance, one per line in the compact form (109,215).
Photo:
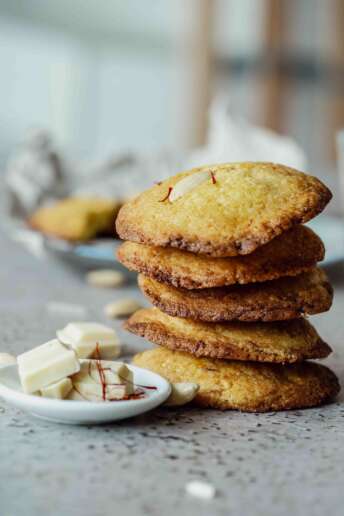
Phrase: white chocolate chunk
(112,372)
(46,364)
(121,308)
(105,278)
(95,392)
(83,338)
(97,378)
(188,183)
(200,489)
(58,390)
(75,396)
(182,393)
(7,359)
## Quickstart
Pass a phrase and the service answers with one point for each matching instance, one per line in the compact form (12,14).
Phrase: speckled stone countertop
(271,464)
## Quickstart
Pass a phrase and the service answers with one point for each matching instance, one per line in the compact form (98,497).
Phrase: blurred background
(106,76)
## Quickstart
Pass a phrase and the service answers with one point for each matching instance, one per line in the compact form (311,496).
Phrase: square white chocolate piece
(83,337)
(46,364)
(58,390)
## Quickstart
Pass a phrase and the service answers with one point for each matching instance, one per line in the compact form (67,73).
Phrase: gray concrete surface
(274,464)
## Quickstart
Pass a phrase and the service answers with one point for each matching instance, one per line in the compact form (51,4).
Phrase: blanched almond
(187,184)
(7,359)
(182,393)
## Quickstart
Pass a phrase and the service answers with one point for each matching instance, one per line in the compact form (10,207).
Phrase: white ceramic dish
(83,412)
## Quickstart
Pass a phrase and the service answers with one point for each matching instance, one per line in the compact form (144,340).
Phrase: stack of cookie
(232,272)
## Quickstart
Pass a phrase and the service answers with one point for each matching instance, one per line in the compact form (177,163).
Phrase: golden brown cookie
(277,300)
(76,218)
(222,210)
(247,386)
(289,254)
(282,341)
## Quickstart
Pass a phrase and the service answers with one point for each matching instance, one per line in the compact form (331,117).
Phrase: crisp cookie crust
(246,386)
(277,300)
(280,342)
(76,218)
(289,254)
(249,205)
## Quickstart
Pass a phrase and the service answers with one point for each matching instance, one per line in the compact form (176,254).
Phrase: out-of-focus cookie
(222,210)
(277,300)
(246,386)
(280,342)
(76,219)
(289,254)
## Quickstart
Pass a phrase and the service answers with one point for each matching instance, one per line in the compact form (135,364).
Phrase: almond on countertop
(121,308)
(105,278)
(181,393)
(7,359)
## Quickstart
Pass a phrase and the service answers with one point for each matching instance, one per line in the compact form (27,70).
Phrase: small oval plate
(84,412)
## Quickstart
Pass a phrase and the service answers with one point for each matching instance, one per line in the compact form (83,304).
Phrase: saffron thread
(167,196)
(101,372)
(213,178)
(138,393)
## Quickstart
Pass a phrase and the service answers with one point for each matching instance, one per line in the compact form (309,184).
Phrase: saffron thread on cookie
(167,196)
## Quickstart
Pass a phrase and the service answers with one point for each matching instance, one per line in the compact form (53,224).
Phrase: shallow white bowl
(83,412)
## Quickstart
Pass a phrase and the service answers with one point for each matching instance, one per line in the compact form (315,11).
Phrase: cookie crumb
(200,489)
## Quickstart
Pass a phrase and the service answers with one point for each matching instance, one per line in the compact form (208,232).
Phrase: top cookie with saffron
(222,210)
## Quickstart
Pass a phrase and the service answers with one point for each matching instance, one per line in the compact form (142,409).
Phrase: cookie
(246,386)
(222,210)
(76,219)
(280,342)
(277,300)
(289,254)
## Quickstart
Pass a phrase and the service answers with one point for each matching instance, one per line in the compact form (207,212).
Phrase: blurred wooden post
(192,82)
(273,82)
